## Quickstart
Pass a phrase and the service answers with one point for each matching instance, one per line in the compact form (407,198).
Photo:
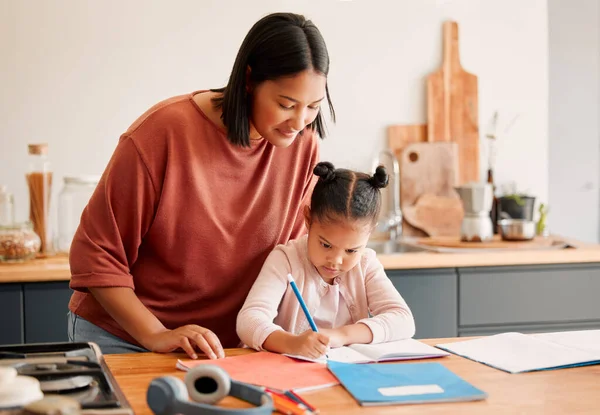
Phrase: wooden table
(565,391)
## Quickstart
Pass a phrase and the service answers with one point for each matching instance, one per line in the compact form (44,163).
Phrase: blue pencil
(313,326)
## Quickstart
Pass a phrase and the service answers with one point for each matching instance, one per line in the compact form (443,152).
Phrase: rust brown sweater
(187,219)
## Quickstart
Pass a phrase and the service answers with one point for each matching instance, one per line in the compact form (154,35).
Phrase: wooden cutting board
(453,108)
(400,136)
(429,169)
(436,215)
(496,243)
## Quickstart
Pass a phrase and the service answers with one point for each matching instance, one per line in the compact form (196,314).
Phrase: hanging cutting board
(452,106)
(400,136)
(428,174)
(436,215)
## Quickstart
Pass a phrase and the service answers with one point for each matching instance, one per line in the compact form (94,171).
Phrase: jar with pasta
(39,182)
(18,242)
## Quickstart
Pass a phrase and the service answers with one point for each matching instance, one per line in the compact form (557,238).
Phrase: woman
(197,193)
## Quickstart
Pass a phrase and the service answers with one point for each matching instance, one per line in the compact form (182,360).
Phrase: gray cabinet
(488,300)
(528,298)
(11,314)
(34,312)
(432,298)
(46,306)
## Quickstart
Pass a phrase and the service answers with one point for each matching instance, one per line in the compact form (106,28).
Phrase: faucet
(392,221)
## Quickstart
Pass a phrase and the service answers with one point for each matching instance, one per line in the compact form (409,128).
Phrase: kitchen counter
(57,268)
(545,392)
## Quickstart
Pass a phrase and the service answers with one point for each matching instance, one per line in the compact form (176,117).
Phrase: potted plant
(517,205)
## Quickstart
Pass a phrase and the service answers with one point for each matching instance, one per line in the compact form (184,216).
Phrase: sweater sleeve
(112,225)
(391,317)
(255,319)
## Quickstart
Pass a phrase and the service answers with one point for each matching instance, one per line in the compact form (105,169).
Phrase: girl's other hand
(337,337)
(310,344)
(189,338)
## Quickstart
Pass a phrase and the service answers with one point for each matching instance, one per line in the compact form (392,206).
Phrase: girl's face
(335,247)
(281,108)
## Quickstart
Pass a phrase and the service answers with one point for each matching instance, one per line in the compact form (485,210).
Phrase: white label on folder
(410,390)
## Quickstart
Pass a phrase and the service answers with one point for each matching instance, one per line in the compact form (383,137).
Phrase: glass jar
(18,242)
(7,207)
(72,199)
(39,182)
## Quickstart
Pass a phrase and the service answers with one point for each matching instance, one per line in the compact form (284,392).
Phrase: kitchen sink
(393,247)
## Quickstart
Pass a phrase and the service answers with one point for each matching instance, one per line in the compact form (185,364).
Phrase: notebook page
(407,348)
(339,354)
(586,340)
(517,352)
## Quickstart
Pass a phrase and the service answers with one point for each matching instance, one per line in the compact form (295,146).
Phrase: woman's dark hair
(279,44)
(341,193)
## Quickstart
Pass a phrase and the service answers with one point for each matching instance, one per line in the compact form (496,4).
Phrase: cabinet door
(536,296)
(46,307)
(11,314)
(432,297)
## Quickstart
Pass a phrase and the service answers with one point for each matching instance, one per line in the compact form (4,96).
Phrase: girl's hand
(309,344)
(189,338)
(337,337)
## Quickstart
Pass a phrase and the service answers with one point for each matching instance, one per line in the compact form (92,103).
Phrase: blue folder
(403,383)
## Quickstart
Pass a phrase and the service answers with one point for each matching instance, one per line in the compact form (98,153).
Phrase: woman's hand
(190,338)
(337,337)
(309,344)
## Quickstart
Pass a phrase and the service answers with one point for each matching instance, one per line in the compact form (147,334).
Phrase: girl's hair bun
(380,179)
(325,171)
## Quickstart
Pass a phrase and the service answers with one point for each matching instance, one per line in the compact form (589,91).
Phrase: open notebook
(517,352)
(369,353)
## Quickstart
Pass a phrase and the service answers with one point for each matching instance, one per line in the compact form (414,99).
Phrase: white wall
(77,73)
(574,109)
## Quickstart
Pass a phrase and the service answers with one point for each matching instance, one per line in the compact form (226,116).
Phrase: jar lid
(17,226)
(83,179)
(37,149)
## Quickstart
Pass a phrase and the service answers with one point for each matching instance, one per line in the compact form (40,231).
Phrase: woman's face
(281,108)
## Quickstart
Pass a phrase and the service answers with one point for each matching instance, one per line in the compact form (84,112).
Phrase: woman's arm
(126,309)
(106,244)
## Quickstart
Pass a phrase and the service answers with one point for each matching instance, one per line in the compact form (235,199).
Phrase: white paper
(586,340)
(407,348)
(517,352)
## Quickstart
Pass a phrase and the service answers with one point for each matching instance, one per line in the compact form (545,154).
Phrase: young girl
(342,282)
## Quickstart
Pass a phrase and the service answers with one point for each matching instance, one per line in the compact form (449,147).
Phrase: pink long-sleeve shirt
(366,296)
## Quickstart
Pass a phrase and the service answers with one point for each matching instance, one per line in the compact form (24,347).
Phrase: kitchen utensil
(477,199)
(517,229)
(452,106)
(400,136)
(517,206)
(436,215)
(428,168)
